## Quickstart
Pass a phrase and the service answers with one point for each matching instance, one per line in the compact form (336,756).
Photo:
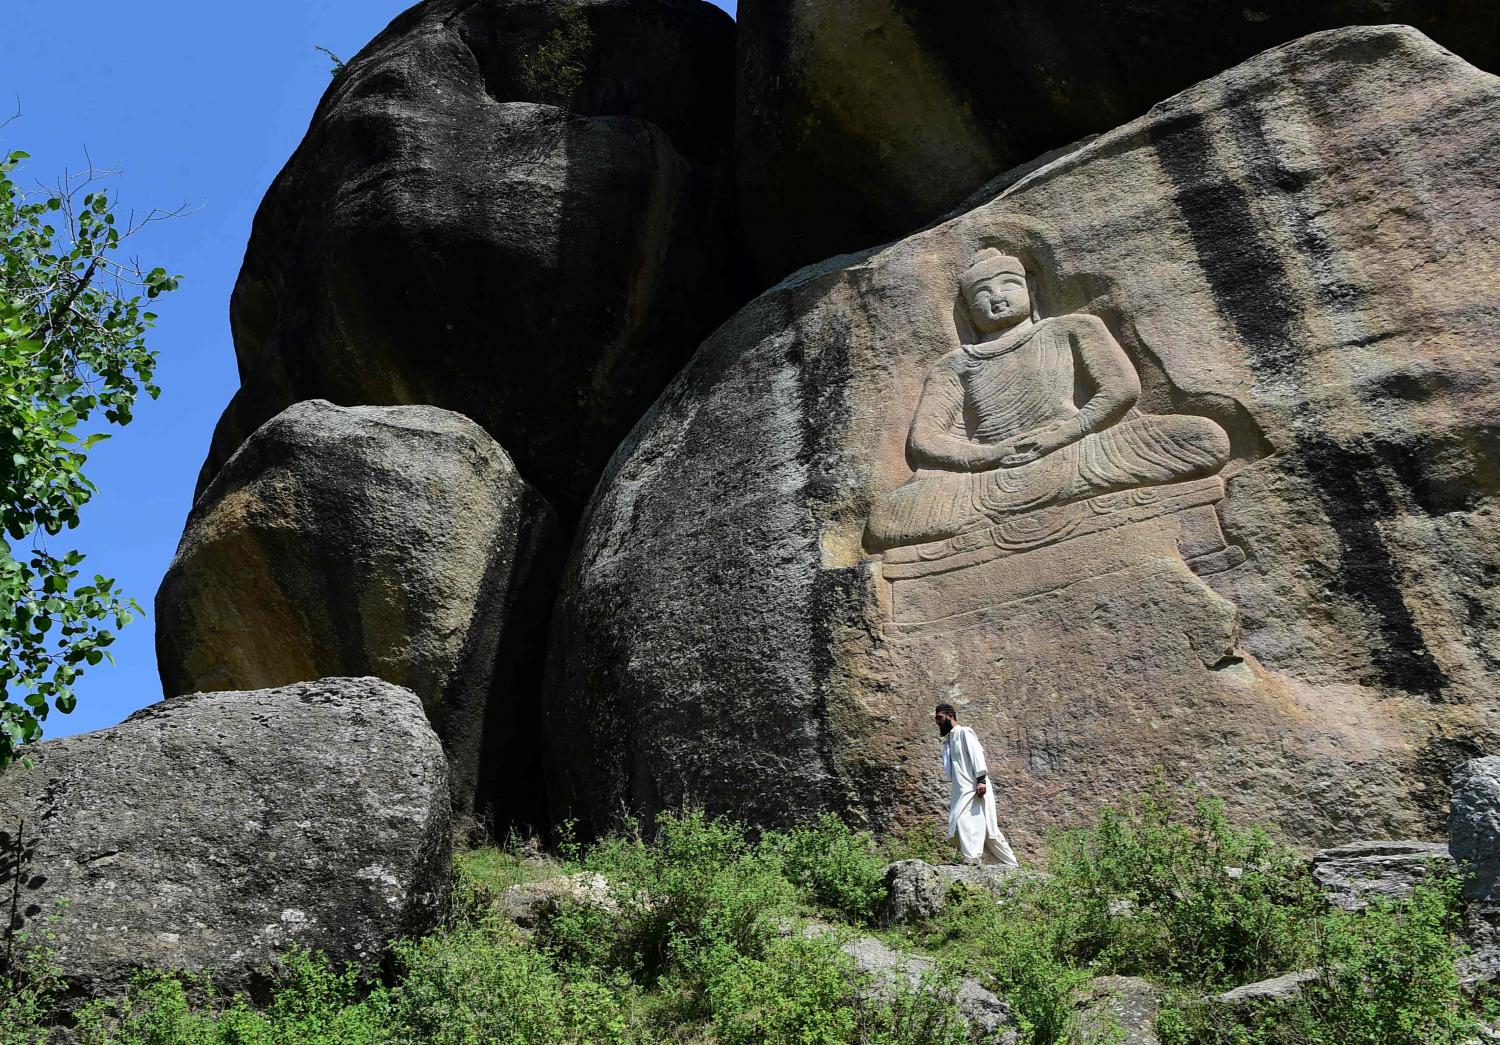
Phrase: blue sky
(198,104)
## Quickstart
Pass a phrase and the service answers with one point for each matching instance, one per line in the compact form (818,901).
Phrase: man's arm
(976,757)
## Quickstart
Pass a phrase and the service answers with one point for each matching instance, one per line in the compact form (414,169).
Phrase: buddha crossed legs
(997,432)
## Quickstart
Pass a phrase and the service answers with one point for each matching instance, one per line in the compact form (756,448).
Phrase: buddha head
(994,289)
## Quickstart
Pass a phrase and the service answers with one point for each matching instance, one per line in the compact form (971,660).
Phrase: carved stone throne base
(1033,554)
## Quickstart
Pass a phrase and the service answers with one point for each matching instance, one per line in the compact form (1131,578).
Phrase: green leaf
(93,359)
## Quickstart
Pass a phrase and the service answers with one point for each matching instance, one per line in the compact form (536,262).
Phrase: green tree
(73,323)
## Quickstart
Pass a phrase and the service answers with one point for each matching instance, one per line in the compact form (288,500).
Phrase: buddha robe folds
(984,396)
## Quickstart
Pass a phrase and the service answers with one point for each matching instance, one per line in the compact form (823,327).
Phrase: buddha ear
(1031,295)
(967,335)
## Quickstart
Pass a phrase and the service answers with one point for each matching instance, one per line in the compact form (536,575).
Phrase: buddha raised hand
(997,433)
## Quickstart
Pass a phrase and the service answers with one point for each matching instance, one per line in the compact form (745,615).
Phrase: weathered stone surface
(529,904)
(1352,876)
(988,1018)
(1474,827)
(1119,1010)
(1277,989)
(861,120)
(213,832)
(390,541)
(1295,261)
(913,891)
(516,209)
(916,889)
(1480,965)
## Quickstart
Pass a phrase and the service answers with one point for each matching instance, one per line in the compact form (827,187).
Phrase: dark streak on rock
(1347,479)
(1249,282)
(835,596)
(1252,289)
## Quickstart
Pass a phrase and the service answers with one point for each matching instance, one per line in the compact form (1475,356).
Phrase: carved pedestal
(1043,551)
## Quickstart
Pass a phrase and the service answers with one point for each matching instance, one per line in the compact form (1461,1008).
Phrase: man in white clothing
(971,810)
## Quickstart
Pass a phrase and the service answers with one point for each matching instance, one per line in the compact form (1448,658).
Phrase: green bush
(699,943)
(1387,978)
(1022,948)
(699,885)
(312,1005)
(481,984)
(834,866)
(28,980)
(555,70)
(23,1005)
(801,990)
(806,990)
(1165,887)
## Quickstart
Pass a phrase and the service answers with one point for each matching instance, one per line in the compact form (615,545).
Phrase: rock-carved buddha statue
(997,432)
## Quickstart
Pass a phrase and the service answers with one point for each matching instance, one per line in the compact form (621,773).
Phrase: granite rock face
(398,542)
(213,832)
(520,210)
(1474,829)
(1252,538)
(1352,876)
(862,120)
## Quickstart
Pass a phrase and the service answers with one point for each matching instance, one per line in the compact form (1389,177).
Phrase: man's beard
(944,728)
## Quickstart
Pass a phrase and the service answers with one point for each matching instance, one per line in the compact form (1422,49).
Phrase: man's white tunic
(971,818)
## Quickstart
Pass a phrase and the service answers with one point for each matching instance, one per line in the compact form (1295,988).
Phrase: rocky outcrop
(1352,876)
(530,904)
(214,832)
(516,209)
(390,541)
(861,120)
(1251,538)
(1474,829)
(1277,990)
(985,1017)
(916,890)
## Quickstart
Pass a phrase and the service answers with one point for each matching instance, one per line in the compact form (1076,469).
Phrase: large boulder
(520,210)
(390,541)
(212,833)
(1474,827)
(1291,271)
(861,120)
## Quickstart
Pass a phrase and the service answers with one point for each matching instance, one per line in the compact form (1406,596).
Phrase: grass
(699,944)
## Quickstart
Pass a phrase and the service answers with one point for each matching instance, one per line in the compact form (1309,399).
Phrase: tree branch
(78,288)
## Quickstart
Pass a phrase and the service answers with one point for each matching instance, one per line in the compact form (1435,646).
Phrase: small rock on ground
(1114,1005)
(1353,875)
(989,1018)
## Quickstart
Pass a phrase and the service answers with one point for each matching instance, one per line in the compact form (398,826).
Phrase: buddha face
(998,302)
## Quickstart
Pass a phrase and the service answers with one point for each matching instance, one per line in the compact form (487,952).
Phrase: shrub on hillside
(1166,887)
(1387,977)
(699,885)
(834,866)
(806,990)
(699,943)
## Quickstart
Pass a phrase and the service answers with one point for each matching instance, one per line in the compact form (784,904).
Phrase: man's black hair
(945,709)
